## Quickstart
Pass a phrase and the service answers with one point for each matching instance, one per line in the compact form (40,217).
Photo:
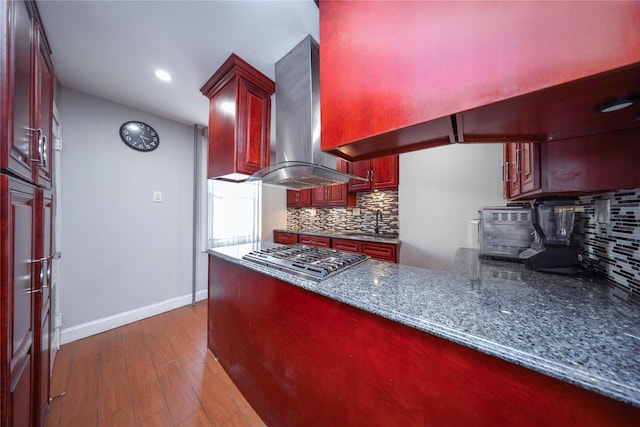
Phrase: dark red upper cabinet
(521,169)
(573,167)
(239,119)
(27,99)
(396,79)
(382,173)
(17,133)
(299,198)
(333,195)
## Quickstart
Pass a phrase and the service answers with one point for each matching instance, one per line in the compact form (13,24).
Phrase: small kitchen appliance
(552,250)
(505,231)
(311,262)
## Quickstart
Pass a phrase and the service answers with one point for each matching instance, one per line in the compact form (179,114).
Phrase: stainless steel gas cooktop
(311,262)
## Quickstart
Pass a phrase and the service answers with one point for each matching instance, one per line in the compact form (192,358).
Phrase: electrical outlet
(356,211)
(603,211)
(157,196)
(58,320)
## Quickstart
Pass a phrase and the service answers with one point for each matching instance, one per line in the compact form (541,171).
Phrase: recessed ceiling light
(163,75)
(616,104)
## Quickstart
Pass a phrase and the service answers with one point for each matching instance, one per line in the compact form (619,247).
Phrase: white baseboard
(84,330)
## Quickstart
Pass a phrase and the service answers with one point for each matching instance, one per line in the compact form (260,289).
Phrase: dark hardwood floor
(156,372)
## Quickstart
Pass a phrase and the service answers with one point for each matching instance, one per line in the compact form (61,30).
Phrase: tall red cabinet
(26,214)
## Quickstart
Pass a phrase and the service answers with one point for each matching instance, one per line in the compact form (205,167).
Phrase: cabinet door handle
(42,148)
(506,172)
(518,170)
(49,271)
(371,175)
(39,132)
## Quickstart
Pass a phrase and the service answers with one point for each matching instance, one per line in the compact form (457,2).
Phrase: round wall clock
(139,136)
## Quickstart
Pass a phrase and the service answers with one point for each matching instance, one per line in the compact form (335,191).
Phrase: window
(234,213)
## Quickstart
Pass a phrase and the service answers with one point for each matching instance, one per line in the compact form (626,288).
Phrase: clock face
(139,136)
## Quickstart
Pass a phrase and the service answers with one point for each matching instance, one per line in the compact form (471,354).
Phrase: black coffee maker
(552,250)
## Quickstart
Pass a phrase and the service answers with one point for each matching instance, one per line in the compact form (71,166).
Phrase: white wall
(274,210)
(441,190)
(124,256)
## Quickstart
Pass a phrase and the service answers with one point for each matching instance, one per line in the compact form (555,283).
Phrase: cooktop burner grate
(311,262)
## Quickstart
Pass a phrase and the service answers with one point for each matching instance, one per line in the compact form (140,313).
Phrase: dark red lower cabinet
(301,359)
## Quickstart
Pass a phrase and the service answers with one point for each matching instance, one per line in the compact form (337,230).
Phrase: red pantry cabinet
(26,214)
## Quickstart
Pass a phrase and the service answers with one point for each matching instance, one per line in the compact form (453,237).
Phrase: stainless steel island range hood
(300,163)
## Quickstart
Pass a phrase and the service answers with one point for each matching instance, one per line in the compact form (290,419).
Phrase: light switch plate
(157,196)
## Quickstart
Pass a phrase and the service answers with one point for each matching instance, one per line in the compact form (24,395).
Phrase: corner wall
(124,257)
(441,191)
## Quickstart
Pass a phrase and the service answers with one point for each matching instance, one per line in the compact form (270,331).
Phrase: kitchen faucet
(378,214)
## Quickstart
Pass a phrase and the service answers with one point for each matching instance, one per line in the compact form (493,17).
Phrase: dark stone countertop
(578,330)
(352,235)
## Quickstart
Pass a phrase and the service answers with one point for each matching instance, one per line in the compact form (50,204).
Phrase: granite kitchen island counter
(577,330)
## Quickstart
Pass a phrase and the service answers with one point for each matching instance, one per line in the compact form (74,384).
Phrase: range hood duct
(300,163)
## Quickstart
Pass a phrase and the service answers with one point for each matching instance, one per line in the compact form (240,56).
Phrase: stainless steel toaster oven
(505,231)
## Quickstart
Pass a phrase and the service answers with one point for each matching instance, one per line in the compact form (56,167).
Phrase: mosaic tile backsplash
(612,248)
(361,218)
(612,244)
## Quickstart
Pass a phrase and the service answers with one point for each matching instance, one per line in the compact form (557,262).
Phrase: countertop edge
(339,235)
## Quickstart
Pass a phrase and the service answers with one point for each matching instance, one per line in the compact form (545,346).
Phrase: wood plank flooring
(156,372)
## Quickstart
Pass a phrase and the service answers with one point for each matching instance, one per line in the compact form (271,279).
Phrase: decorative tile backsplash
(362,217)
(612,244)
(613,248)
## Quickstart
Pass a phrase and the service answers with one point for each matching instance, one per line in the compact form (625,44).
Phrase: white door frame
(56,314)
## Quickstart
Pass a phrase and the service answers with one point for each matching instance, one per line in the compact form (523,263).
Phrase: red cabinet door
(319,196)
(529,159)
(285,238)
(44,112)
(239,119)
(339,195)
(298,199)
(384,173)
(346,245)
(324,242)
(511,175)
(380,251)
(254,117)
(16,130)
(19,215)
(363,169)
(42,335)
(521,169)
